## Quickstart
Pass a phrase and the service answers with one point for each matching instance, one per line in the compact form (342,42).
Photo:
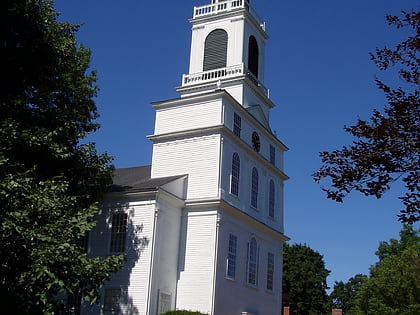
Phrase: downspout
(152,259)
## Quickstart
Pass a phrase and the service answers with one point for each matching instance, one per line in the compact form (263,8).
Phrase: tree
(394,283)
(304,280)
(344,294)
(49,182)
(408,237)
(387,147)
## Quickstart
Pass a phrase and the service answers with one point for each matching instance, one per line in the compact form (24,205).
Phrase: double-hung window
(73,305)
(272,154)
(234,178)
(271,199)
(252,268)
(112,299)
(270,271)
(254,188)
(118,232)
(231,257)
(237,121)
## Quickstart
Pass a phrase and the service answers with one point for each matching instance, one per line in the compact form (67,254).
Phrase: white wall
(165,261)
(198,242)
(190,116)
(236,296)
(133,278)
(197,156)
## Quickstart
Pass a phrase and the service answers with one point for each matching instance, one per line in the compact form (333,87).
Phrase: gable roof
(138,178)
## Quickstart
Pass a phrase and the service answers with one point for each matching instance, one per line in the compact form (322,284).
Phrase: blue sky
(319,75)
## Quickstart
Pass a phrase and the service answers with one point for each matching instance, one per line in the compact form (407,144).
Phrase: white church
(202,226)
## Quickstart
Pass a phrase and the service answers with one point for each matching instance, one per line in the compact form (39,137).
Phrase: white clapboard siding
(133,278)
(234,296)
(195,285)
(197,157)
(187,117)
(165,269)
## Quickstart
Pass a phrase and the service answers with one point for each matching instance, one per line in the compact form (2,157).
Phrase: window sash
(271,199)
(234,180)
(270,271)
(118,232)
(272,154)
(254,188)
(231,258)
(112,299)
(237,122)
(252,270)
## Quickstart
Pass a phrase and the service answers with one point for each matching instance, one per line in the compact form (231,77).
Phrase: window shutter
(215,50)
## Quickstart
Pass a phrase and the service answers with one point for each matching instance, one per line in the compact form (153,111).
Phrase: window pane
(231,259)
(73,304)
(112,301)
(237,122)
(234,184)
(271,195)
(272,154)
(254,188)
(252,262)
(118,232)
(270,271)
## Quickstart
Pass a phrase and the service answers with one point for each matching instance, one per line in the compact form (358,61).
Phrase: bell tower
(227,52)
(217,135)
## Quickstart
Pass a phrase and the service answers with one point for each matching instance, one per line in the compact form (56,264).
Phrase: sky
(320,76)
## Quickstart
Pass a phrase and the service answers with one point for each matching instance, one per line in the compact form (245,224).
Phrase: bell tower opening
(215,50)
(253,56)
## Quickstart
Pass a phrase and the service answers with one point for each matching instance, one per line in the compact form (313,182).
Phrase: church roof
(138,178)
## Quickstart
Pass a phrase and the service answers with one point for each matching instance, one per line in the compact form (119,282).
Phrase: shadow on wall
(136,244)
(115,297)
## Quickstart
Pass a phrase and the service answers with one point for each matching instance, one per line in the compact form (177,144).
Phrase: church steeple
(227,51)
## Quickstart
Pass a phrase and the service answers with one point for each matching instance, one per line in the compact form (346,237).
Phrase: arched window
(253,56)
(234,178)
(271,194)
(252,272)
(254,188)
(215,50)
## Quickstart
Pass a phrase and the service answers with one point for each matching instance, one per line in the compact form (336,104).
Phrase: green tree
(344,294)
(394,283)
(408,237)
(304,281)
(49,182)
(388,146)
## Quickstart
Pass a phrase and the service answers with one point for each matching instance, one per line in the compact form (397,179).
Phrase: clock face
(256,141)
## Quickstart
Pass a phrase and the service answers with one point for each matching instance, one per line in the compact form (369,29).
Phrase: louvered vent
(215,50)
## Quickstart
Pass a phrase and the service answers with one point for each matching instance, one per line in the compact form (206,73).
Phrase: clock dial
(256,145)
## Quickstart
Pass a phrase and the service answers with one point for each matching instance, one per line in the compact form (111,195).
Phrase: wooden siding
(195,285)
(188,117)
(236,296)
(197,156)
(133,278)
(243,200)
(165,269)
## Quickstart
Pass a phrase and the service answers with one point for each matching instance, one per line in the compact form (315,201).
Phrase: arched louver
(253,56)
(215,50)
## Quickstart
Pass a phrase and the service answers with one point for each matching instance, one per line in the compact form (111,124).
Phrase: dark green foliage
(394,283)
(304,281)
(408,237)
(180,312)
(344,294)
(387,146)
(49,182)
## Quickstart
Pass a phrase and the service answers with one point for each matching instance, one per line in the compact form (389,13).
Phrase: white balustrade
(222,73)
(215,8)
